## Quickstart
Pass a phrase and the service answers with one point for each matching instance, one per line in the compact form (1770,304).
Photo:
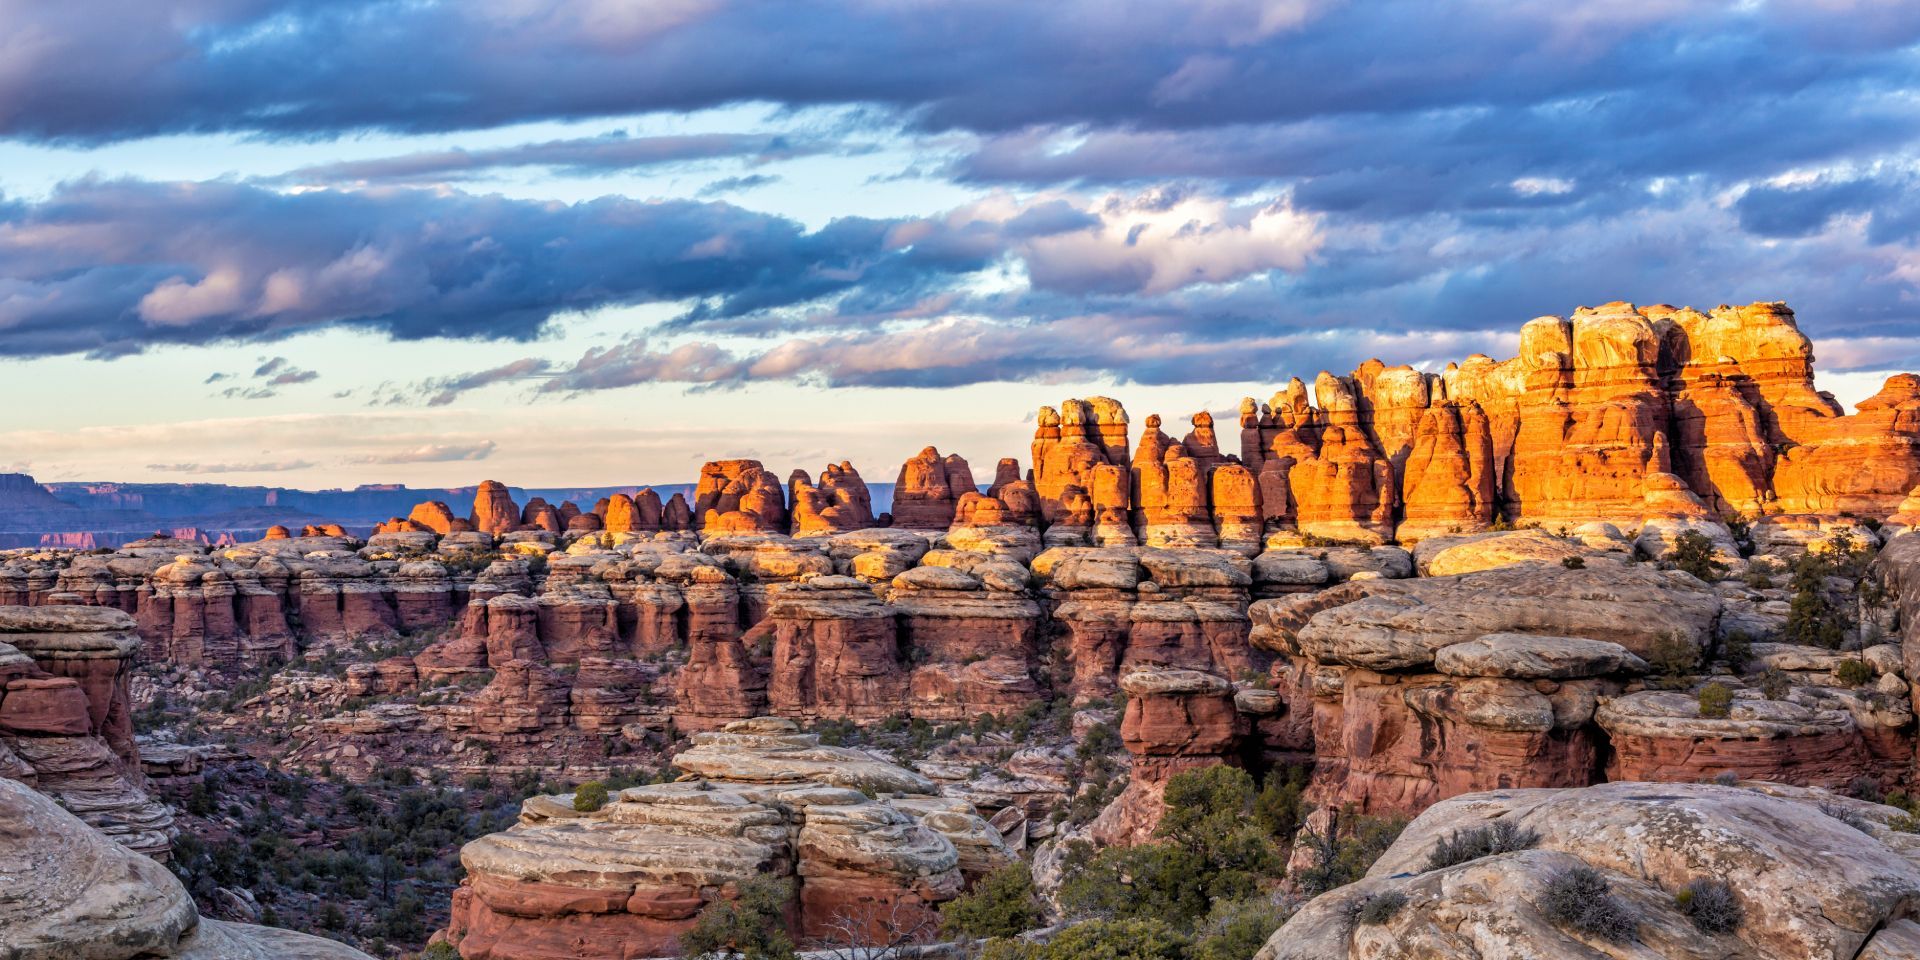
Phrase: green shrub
(1237,929)
(440,951)
(1737,651)
(1486,840)
(1211,847)
(1380,908)
(751,926)
(1337,861)
(1579,899)
(1674,655)
(1280,808)
(1693,553)
(1775,685)
(590,796)
(1573,563)
(1711,905)
(1001,904)
(1813,617)
(1138,939)
(1716,701)
(1854,673)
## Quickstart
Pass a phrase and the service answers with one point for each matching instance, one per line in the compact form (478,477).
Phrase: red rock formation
(838,504)
(494,511)
(1170,488)
(1176,720)
(929,489)
(434,515)
(738,496)
(1069,448)
(723,680)
(66,719)
(541,515)
(277,532)
(1448,480)
(836,651)
(974,646)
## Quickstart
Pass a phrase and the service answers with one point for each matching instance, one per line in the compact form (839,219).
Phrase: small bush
(1472,843)
(1716,701)
(1711,905)
(1141,939)
(1380,908)
(1573,563)
(1236,929)
(590,796)
(1693,553)
(1674,655)
(1866,788)
(1774,684)
(1002,904)
(752,926)
(1579,899)
(1737,651)
(1848,817)
(1336,862)
(1854,673)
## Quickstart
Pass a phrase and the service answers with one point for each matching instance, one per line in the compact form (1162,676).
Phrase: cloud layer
(1159,193)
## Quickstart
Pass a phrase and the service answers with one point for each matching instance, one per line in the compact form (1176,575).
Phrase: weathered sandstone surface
(72,894)
(871,849)
(1810,886)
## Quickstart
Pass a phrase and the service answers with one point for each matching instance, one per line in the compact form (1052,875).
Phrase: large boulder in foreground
(68,893)
(1817,877)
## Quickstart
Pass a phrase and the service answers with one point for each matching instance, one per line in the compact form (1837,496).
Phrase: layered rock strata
(762,800)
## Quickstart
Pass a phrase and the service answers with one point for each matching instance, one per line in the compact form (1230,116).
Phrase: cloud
(261,466)
(81,271)
(432,453)
(441,391)
(726,185)
(580,156)
(299,69)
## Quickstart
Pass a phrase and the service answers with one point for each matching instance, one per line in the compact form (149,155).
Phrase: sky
(319,244)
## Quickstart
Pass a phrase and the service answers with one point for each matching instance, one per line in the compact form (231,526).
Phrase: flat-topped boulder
(1529,656)
(628,879)
(1814,735)
(1402,624)
(770,750)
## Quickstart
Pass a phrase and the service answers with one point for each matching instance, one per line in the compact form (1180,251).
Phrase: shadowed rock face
(629,879)
(74,895)
(1810,886)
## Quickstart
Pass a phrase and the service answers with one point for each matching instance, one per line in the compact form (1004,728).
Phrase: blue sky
(594,242)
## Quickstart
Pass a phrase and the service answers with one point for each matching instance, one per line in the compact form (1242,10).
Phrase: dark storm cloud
(114,266)
(98,69)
